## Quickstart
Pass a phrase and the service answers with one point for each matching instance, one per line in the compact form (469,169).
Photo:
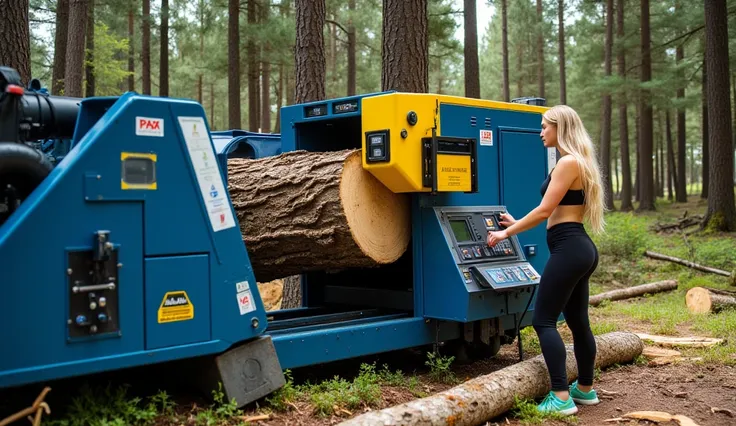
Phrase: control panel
(503,267)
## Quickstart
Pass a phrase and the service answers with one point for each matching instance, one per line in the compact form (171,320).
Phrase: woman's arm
(564,175)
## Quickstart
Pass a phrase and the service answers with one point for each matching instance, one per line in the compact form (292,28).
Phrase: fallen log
(689,264)
(316,211)
(481,399)
(701,300)
(627,293)
(685,222)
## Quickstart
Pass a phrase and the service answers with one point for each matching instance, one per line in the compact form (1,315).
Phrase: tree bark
(306,211)
(628,293)
(561,50)
(310,51)
(163,84)
(605,148)
(646,201)
(60,40)
(405,46)
(721,213)
(472,74)
(89,67)
(250,49)
(233,66)
(671,168)
(146,48)
(292,295)
(483,398)
(705,136)
(266,75)
(15,41)
(701,300)
(680,182)
(626,204)
(131,45)
(352,70)
(75,48)
(540,48)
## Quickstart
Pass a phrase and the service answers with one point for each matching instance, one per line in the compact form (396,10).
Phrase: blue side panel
(189,274)
(520,186)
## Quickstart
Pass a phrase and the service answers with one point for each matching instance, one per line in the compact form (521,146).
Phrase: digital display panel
(460,230)
(343,107)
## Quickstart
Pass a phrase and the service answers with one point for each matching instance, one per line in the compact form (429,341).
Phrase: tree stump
(702,300)
(316,211)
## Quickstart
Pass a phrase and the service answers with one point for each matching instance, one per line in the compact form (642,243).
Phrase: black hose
(22,169)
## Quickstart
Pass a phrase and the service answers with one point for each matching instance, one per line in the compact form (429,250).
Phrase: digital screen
(461,230)
(139,171)
(343,107)
(377,140)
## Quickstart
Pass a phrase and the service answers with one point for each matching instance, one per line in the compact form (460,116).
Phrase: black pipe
(22,169)
(33,115)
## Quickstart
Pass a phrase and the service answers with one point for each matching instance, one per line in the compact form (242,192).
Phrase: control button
(81,319)
(102,317)
(378,152)
(102,302)
(489,222)
(485,250)
(476,251)
(466,253)
(92,305)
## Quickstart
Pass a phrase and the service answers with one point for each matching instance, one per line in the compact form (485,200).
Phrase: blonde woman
(571,193)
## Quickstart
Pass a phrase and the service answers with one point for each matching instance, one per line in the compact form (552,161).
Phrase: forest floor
(701,385)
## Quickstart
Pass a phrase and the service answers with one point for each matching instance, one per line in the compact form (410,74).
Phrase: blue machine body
(143,218)
(169,257)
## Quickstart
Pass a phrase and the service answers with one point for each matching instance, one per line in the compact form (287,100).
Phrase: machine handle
(86,288)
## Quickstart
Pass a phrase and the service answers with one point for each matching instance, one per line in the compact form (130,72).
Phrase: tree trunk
(705,136)
(279,99)
(292,294)
(75,48)
(472,74)
(310,51)
(212,105)
(146,48)
(233,66)
(250,49)
(561,50)
(163,85)
(60,40)
(606,125)
(266,74)
(672,175)
(626,204)
(505,51)
(681,183)
(352,70)
(305,211)
(483,398)
(701,300)
(405,47)
(646,201)
(540,48)
(131,45)
(15,41)
(627,293)
(89,67)
(200,77)
(721,213)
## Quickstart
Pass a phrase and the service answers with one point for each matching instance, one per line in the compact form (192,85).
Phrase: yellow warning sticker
(176,306)
(453,173)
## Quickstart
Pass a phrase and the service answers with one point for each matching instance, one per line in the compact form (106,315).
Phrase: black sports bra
(573,197)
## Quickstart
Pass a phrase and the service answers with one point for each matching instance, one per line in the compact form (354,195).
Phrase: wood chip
(669,341)
(257,418)
(726,411)
(616,419)
(605,392)
(683,420)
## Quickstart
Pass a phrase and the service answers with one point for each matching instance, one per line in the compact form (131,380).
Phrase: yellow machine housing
(404,148)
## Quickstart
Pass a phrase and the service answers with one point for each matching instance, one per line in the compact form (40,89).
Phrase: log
(701,300)
(316,211)
(483,398)
(627,293)
(689,264)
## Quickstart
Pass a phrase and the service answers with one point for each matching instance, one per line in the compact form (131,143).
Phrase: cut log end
(701,300)
(378,218)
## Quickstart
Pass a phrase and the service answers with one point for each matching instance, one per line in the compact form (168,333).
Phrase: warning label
(176,306)
(453,173)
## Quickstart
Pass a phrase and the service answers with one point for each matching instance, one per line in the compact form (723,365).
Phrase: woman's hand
(495,237)
(506,220)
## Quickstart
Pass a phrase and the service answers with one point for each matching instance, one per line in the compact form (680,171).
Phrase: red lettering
(244,300)
(149,124)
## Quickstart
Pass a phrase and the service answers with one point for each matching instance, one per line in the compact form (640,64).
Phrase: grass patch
(525,410)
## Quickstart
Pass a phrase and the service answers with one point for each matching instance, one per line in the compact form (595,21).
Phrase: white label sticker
(242,286)
(245,302)
(551,159)
(207,172)
(146,126)
(486,137)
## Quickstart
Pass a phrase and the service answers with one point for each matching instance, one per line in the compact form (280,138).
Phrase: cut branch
(627,293)
(481,399)
(689,264)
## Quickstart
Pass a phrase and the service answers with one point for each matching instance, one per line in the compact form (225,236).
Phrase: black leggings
(563,288)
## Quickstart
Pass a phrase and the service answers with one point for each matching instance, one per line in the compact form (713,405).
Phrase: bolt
(254,322)
(120,265)
(69,271)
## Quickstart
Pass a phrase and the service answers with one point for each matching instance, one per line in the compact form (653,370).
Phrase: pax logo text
(146,126)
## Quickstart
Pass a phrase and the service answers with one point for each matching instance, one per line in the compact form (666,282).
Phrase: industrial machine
(128,251)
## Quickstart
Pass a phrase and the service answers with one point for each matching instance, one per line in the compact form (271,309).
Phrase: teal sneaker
(583,398)
(553,404)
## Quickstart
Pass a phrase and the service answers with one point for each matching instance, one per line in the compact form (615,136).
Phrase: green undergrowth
(525,410)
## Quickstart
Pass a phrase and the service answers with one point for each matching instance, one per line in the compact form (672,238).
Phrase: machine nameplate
(175,306)
(453,172)
(146,126)
(208,174)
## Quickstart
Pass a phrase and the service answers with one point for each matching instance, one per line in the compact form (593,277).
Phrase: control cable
(518,324)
